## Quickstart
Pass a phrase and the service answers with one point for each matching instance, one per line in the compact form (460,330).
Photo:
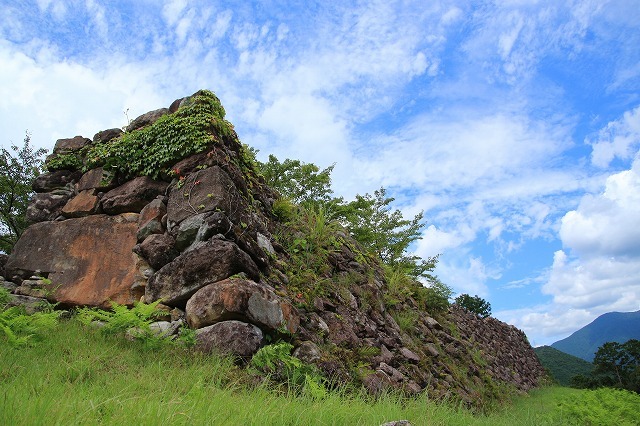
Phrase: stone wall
(200,238)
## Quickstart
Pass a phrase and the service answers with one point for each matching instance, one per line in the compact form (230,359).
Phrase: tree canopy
(17,172)
(474,304)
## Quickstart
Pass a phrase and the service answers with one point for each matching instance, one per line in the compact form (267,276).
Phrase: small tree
(17,172)
(475,304)
(618,365)
(302,183)
(386,232)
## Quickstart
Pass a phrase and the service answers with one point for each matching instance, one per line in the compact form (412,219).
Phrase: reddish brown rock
(98,179)
(132,196)
(88,260)
(150,221)
(230,337)
(212,261)
(242,299)
(83,204)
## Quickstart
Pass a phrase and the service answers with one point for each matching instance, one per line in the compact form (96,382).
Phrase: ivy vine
(151,151)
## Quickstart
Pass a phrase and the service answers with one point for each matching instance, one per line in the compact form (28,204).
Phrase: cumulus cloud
(597,270)
(619,139)
(602,236)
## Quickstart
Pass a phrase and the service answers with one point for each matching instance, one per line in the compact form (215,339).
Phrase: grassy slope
(77,375)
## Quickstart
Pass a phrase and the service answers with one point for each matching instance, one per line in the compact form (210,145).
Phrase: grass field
(77,375)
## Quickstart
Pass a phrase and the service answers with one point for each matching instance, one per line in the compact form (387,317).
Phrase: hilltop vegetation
(563,367)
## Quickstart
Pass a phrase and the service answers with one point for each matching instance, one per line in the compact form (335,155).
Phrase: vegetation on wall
(382,232)
(152,150)
(17,172)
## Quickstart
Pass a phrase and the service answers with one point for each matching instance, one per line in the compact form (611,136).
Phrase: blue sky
(514,125)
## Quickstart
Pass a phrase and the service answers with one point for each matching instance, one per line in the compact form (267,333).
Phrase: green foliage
(152,150)
(406,320)
(303,183)
(563,367)
(135,322)
(602,407)
(615,365)
(310,238)
(78,375)
(68,161)
(284,210)
(276,361)
(433,297)
(19,328)
(17,172)
(386,233)
(474,304)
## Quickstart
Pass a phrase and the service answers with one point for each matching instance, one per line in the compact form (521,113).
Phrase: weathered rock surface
(209,243)
(230,337)
(47,182)
(98,179)
(106,135)
(214,260)
(47,206)
(133,196)
(64,146)
(146,119)
(244,300)
(158,249)
(150,221)
(204,191)
(88,260)
(84,204)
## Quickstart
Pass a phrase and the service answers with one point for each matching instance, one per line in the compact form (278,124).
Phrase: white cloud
(598,270)
(619,139)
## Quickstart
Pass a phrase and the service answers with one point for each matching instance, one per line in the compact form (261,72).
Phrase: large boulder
(98,179)
(157,249)
(147,119)
(212,261)
(132,196)
(230,337)
(207,190)
(105,136)
(242,299)
(150,221)
(89,260)
(65,146)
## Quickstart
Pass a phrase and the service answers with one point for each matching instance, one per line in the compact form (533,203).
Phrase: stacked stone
(200,242)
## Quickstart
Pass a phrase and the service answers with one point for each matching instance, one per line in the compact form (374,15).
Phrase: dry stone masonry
(191,224)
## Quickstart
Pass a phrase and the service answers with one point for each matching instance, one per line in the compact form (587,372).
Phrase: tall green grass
(78,375)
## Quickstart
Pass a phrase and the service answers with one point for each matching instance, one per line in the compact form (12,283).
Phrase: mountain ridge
(610,327)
